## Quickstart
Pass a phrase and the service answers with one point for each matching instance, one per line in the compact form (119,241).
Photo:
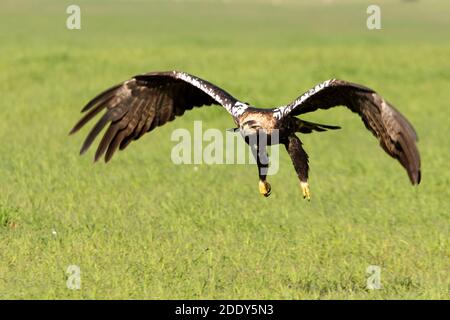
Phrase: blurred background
(142,227)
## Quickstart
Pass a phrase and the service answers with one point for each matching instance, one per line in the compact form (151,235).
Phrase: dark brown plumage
(139,105)
(147,101)
(396,135)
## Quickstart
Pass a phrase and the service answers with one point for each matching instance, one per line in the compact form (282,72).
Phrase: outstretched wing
(394,132)
(146,101)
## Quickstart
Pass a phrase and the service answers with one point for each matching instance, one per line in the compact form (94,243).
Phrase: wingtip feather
(83,150)
(416,177)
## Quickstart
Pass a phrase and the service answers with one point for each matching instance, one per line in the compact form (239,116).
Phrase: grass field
(142,227)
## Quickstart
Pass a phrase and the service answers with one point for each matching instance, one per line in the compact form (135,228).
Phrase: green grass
(141,227)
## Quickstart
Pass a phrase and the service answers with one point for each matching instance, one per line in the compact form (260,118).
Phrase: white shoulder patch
(282,111)
(238,109)
(202,86)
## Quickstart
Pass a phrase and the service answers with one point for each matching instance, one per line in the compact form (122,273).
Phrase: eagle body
(144,102)
(255,120)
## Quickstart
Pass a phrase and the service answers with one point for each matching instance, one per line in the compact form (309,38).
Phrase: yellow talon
(264,188)
(305,190)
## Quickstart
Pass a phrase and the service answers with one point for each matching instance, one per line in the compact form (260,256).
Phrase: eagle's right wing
(146,101)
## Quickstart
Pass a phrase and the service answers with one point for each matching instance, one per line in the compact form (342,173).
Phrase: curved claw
(264,188)
(305,190)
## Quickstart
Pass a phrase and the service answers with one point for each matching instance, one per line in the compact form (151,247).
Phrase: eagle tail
(308,127)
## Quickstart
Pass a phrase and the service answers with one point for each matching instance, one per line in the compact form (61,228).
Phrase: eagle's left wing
(396,135)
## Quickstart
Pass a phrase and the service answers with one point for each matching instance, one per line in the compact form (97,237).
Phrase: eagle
(146,101)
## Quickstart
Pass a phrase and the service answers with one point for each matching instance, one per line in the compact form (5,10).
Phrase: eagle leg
(262,160)
(264,188)
(305,190)
(300,161)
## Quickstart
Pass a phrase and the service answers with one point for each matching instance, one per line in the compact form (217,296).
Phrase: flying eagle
(147,101)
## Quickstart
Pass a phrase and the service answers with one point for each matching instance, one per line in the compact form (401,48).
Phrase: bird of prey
(149,100)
